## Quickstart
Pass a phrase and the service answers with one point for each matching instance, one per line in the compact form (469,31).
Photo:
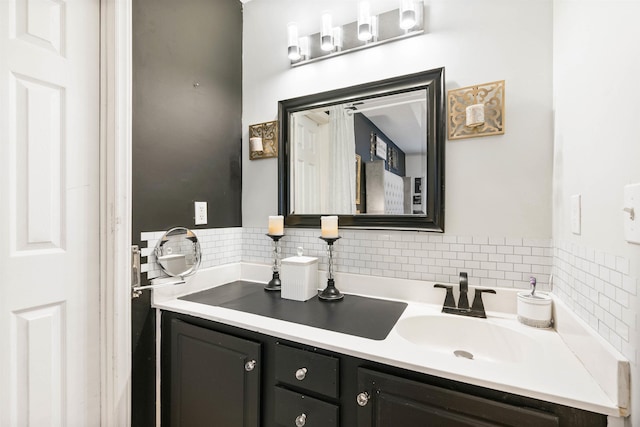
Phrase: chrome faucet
(477,308)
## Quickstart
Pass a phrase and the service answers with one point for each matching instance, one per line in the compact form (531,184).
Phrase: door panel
(49,212)
(214,378)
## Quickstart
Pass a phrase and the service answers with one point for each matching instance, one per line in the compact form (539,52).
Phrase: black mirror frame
(433,82)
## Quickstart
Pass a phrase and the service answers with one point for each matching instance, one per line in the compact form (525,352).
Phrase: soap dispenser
(534,308)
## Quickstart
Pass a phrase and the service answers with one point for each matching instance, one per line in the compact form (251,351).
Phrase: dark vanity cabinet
(208,378)
(213,379)
(389,400)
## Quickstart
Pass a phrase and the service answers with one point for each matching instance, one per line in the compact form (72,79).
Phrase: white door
(307,172)
(49,212)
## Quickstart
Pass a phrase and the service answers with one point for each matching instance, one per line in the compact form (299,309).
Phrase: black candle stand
(330,293)
(275,284)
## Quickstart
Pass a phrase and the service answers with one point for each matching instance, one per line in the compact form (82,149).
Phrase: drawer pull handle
(250,365)
(301,420)
(301,374)
(363,398)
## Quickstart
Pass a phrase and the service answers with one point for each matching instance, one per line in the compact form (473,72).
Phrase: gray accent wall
(187,94)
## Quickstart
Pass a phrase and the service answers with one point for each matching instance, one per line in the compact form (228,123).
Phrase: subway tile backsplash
(218,245)
(489,261)
(504,262)
(598,287)
(595,285)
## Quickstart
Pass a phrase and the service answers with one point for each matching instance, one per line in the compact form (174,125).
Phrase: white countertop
(552,372)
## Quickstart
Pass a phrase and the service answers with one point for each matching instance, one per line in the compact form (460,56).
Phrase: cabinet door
(214,378)
(387,401)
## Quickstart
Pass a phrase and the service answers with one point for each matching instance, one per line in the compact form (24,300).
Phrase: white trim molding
(115,208)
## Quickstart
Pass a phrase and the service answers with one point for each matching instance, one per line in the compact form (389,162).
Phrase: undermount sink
(470,338)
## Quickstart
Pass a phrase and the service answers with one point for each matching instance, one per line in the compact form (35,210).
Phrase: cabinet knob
(301,374)
(301,420)
(363,398)
(250,365)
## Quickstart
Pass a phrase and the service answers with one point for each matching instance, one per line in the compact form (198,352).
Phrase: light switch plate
(632,213)
(576,214)
(201,213)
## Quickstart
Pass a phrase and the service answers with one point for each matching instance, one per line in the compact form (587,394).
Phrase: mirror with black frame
(372,154)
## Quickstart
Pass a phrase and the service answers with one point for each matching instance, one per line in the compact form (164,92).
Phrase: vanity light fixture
(407,14)
(294,44)
(396,24)
(326,35)
(364,21)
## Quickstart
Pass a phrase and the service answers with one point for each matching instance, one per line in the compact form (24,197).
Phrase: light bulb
(364,21)
(326,34)
(407,14)
(293,46)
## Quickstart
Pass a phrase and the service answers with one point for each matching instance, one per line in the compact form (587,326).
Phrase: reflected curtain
(342,171)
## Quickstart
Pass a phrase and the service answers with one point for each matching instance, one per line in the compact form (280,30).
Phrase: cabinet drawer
(297,409)
(307,370)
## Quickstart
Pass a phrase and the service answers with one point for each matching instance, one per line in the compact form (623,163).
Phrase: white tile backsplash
(594,284)
(218,246)
(598,288)
(418,256)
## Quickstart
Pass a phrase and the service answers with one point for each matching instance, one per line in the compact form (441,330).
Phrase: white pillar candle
(329,226)
(276,225)
(255,144)
(475,115)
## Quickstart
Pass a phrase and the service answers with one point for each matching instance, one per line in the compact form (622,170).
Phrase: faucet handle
(478,306)
(449,301)
(463,301)
(464,279)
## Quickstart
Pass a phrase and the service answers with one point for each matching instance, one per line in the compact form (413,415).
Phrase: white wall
(581,53)
(495,186)
(597,151)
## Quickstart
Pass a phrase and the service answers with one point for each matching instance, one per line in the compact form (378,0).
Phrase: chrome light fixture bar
(367,31)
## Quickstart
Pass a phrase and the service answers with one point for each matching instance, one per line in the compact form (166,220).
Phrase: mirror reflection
(178,252)
(372,154)
(365,156)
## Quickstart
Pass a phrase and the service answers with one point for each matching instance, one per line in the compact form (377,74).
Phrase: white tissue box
(299,278)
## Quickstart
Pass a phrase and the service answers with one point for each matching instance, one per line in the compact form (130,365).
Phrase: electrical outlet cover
(200,213)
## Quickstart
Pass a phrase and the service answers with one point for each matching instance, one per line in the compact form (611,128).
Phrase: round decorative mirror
(178,252)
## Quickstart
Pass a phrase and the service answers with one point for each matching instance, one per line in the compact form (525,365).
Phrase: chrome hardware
(250,365)
(363,398)
(135,271)
(156,283)
(301,374)
(301,420)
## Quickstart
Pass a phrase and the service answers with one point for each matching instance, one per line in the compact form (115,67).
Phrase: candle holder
(330,293)
(275,284)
